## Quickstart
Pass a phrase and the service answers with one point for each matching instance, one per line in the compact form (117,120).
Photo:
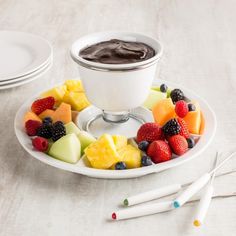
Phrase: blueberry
(191,142)
(143,145)
(47,120)
(163,88)
(146,161)
(120,165)
(191,107)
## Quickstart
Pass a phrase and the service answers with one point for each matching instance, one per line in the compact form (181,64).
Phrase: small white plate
(21,54)
(80,168)
(28,78)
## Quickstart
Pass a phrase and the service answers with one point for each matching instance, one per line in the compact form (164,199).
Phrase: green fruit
(157,88)
(71,128)
(66,149)
(153,97)
(85,139)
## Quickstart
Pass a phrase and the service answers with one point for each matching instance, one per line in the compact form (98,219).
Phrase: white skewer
(197,185)
(205,200)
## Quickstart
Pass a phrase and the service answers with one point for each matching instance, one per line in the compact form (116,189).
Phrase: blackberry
(171,128)
(176,95)
(163,88)
(47,120)
(120,165)
(45,131)
(58,130)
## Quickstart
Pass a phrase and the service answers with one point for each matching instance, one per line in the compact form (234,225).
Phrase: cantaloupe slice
(63,113)
(46,113)
(31,116)
(163,111)
(202,126)
(193,119)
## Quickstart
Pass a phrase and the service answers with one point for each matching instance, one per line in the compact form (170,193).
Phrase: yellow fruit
(102,154)
(131,156)
(120,141)
(57,93)
(78,101)
(74,85)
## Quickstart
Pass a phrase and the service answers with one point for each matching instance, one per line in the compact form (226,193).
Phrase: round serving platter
(82,168)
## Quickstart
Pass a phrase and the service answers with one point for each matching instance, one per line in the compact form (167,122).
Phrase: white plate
(80,168)
(21,53)
(30,75)
(28,78)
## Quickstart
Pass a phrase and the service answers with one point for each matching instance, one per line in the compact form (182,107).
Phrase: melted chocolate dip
(116,51)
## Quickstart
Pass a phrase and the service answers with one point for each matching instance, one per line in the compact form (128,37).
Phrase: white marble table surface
(199,39)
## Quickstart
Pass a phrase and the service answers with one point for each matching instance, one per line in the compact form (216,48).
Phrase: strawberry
(159,151)
(31,127)
(40,144)
(181,108)
(149,132)
(42,104)
(178,144)
(184,128)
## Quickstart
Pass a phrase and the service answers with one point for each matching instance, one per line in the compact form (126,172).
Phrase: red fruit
(149,132)
(159,151)
(43,104)
(184,128)
(181,108)
(31,127)
(40,144)
(178,144)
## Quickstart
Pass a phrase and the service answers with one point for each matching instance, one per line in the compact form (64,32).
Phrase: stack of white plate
(24,57)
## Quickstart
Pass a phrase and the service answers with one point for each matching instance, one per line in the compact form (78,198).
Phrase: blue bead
(176,204)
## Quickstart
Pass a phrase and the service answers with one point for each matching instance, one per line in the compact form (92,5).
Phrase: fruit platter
(180,126)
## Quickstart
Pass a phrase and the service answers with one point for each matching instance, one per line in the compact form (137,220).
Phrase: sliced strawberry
(159,151)
(43,104)
(184,128)
(149,132)
(178,144)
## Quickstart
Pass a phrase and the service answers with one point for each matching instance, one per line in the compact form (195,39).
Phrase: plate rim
(202,144)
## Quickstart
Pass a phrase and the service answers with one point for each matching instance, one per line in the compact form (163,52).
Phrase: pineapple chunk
(102,154)
(77,100)
(57,93)
(120,141)
(74,85)
(131,156)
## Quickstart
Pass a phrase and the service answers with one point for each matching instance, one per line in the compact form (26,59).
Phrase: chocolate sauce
(116,51)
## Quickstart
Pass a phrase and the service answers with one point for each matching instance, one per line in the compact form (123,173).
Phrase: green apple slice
(153,97)
(66,149)
(71,128)
(85,139)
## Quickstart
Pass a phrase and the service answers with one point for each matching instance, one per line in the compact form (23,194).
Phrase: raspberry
(184,128)
(40,144)
(171,127)
(181,108)
(43,104)
(32,126)
(176,95)
(58,130)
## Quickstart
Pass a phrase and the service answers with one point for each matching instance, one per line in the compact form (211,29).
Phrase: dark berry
(58,130)
(47,120)
(191,142)
(171,127)
(163,88)
(143,145)
(191,107)
(120,165)
(176,95)
(45,131)
(146,161)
